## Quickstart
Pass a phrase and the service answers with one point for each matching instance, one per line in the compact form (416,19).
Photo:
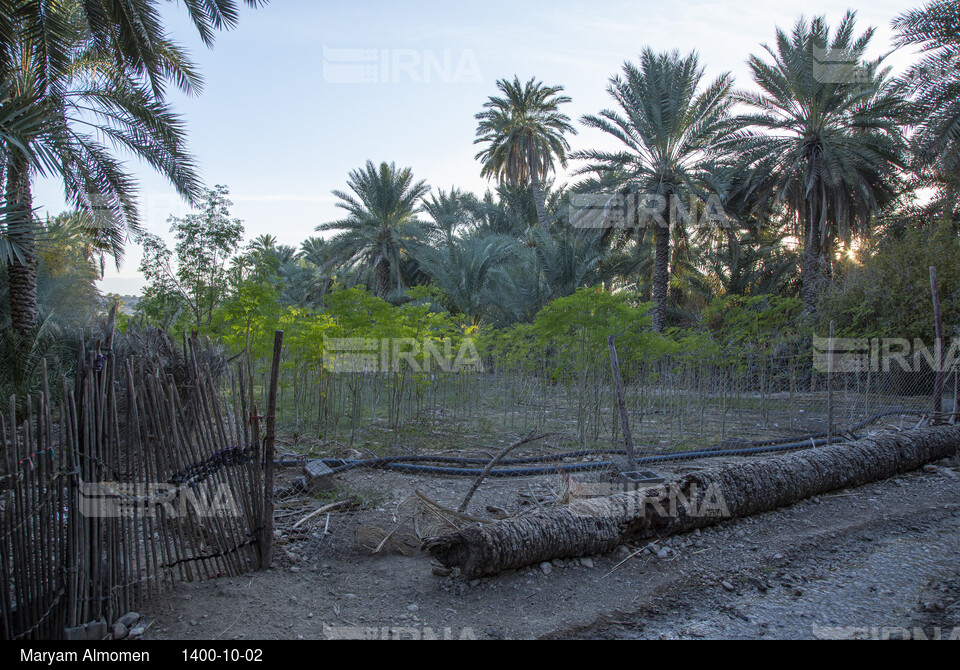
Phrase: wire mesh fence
(401,450)
(380,460)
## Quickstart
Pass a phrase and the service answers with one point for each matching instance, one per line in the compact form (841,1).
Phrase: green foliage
(22,357)
(197,282)
(248,318)
(569,336)
(756,325)
(887,293)
(462,269)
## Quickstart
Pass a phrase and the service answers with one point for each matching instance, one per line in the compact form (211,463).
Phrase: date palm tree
(131,32)
(451,211)
(381,223)
(313,250)
(524,133)
(825,139)
(462,268)
(934,84)
(670,126)
(75,77)
(84,107)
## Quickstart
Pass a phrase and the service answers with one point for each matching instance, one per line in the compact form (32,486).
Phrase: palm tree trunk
(811,261)
(383,278)
(661,276)
(21,272)
(538,201)
(705,498)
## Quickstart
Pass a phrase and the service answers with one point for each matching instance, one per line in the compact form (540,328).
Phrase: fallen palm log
(696,500)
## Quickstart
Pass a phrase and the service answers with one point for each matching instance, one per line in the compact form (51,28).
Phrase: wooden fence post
(269,448)
(622,404)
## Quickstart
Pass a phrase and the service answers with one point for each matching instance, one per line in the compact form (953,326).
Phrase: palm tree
(934,83)
(84,105)
(516,291)
(524,133)
(669,127)
(261,253)
(451,211)
(381,222)
(131,32)
(827,148)
(569,260)
(462,268)
(758,263)
(313,250)
(509,211)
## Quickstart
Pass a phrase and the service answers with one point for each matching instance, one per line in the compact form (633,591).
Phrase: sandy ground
(879,561)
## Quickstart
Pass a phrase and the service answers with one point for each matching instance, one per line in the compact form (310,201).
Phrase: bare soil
(879,561)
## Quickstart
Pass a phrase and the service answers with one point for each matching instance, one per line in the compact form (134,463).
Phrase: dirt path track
(876,561)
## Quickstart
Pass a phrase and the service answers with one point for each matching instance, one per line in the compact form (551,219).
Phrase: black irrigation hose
(414,464)
(344,466)
(408,468)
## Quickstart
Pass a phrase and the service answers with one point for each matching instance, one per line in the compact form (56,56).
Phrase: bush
(887,293)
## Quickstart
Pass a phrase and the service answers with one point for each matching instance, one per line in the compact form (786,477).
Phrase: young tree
(205,244)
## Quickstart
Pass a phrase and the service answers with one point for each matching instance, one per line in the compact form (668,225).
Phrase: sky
(305,91)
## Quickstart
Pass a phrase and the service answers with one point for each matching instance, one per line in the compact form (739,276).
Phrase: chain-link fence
(377,461)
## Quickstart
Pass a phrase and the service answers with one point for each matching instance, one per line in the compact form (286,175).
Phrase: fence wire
(406,449)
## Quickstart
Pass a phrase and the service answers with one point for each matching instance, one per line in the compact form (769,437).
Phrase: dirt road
(879,561)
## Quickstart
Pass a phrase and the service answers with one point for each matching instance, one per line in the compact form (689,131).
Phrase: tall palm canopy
(131,31)
(81,106)
(381,222)
(523,130)
(670,127)
(826,146)
(934,82)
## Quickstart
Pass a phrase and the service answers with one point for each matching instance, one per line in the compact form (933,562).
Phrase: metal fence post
(830,355)
(938,319)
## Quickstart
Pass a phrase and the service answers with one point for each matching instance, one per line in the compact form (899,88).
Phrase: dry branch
(599,525)
(531,437)
(332,507)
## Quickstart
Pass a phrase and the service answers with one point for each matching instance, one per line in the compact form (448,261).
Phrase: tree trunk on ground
(661,277)
(538,201)
(383,278)
(22,272)
(701,499)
